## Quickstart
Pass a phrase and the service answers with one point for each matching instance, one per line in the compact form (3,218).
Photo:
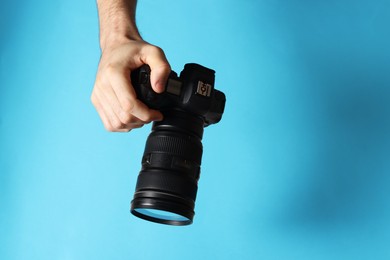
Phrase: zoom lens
(168,181)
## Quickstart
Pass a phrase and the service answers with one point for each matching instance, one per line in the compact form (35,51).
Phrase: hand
(113,95)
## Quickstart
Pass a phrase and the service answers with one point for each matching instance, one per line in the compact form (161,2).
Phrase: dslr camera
(168,181)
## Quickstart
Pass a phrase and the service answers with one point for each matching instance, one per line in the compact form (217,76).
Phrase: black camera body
(168,181)
(192,92)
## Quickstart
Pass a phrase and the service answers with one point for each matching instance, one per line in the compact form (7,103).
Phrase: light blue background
(297,169)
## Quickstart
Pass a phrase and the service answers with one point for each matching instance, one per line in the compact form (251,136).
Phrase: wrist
(117,39)
(117,22)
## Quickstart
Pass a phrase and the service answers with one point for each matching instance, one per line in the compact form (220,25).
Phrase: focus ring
(186,147)
(167,181)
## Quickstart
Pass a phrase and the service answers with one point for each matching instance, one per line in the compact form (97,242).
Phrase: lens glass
(161,214)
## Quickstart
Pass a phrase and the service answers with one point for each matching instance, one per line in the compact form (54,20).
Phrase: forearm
(117,21)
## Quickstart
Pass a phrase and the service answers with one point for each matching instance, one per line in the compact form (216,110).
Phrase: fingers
(102,114)
(113,118)
(159,66)
(126,96)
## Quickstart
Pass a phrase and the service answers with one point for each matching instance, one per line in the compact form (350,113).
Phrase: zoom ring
(178,145)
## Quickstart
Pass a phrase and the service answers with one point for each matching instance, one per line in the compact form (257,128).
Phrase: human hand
(113,95)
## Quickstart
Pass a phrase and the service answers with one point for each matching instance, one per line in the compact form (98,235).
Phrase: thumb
(159,67)
(159,76)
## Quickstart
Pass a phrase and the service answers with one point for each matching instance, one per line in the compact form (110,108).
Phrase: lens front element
(161,215)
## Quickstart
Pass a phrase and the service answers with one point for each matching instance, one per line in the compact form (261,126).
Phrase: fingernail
(158,117)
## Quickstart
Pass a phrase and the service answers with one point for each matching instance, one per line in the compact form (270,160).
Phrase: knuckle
(146,117)
(110,68)
(116,124)
(155,49)
(93,99)
(109,128)
(166,68)
(126,118)
(128,106)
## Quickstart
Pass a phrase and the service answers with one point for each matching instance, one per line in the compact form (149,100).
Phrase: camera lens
(161,214)
(168,181)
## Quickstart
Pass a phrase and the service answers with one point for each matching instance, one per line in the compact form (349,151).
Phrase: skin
(123,50)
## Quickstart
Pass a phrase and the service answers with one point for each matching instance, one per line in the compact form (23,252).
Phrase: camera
(168,181)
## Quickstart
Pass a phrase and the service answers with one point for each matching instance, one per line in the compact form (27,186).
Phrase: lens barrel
(168,181)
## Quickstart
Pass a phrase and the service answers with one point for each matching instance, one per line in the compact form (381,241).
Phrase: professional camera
(168,181)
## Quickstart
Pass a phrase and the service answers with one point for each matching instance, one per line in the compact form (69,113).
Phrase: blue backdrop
(297,169)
